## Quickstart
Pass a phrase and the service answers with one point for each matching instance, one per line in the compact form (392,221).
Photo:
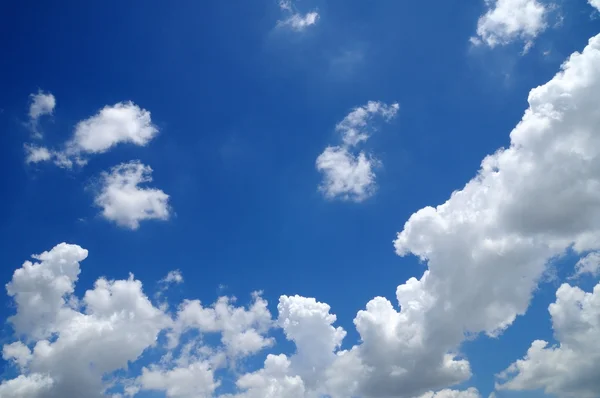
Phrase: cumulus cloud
(40,104)
(123,201)
(295,20)
(509,20)
(347,173)
(174,276)
(71,347)
(122,123)
(568,369)
(36,154)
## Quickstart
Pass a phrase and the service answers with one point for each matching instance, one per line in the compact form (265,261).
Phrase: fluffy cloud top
(295,20)
(349,174)
(510,20)
(568,369)
(123,201)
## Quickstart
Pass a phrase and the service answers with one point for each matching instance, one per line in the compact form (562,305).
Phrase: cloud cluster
(295,20)
(125,202)
(569,369)
(120,197)
(124,122)
(509,20)
(347,173)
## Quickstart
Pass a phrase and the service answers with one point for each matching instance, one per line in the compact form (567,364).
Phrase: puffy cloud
(590,264)
(41,104)
(122,123)
(510,20)
(242,330)
(488,245)
(74,343)
(36,154)
(348,174)
(174,276)
(195,380)
(123,201)
(568,369)
(295,20)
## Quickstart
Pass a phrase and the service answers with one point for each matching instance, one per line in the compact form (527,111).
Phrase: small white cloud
(348,174)
(124,122)
(469,393)
(509,20)
(174,276)
(123,200)
(36,154)
(40,104)
(300,22)
(295,20)
(345,175)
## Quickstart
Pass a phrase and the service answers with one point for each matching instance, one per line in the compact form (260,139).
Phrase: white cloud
(595,3)
(41,104)
(243,331)
(174,276)
(569,369)
(295,20)
(469,393)
(36,154)
(71,349)
(345,175)
(122,123)
(348,174)
(195,380)
(509,20)
(123,201)
(590,264)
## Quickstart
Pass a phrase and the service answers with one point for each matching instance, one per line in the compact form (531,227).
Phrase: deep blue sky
(244,110)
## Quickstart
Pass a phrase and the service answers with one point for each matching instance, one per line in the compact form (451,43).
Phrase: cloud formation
(122,123)
(295,20)
(125,202)
(349,174)
(568,369)
(507,21)
(41,104)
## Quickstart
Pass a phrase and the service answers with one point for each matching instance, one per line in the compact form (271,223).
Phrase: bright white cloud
(122,123)
(348,174)
(595,3)
(123,201)
(569,369)
(40,104)
(72,344)
(195,380)
(295,20)
(509,20)
(243,331)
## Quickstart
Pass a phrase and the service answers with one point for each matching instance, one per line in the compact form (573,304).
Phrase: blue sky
(233,126)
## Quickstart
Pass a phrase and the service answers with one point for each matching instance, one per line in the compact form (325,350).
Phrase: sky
(300,199)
